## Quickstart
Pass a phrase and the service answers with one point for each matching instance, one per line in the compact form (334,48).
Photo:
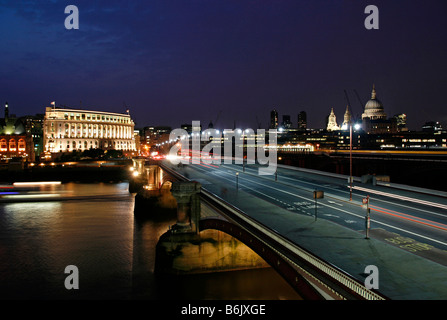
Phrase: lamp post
(350,161)
(367,217)
(237,180)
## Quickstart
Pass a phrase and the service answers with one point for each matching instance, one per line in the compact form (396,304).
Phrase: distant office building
(67,130)
(274,119)
(34,129)
(401,120)
(432,126)
(286,123)
(302,120)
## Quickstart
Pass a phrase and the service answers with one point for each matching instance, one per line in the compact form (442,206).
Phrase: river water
(92,226)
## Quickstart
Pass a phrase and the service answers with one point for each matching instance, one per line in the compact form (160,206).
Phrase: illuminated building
(401,120)
(432,126)
(274,119)
(286,123)
(346,119)
(332,122)
(14,140)
(302,120)
(67,130)
(374,109)
(374,117)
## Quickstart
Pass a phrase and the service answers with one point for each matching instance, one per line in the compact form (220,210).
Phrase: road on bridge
(411,222)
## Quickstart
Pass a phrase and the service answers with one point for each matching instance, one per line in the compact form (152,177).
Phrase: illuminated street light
(237,180)
(350,161)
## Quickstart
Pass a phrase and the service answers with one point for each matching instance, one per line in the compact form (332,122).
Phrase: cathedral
(374,118)
(374,108)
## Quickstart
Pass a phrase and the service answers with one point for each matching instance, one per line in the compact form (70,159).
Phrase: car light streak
(410,217)
(428,203)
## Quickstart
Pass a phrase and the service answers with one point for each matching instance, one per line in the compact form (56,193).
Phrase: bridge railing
(340,277)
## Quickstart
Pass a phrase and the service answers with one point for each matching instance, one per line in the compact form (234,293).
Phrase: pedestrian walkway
(403,275)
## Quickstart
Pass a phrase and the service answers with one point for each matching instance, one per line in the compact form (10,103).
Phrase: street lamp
(237,180)
(350,161)
(367,217)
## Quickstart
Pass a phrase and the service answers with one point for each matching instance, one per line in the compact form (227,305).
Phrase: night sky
(175,61)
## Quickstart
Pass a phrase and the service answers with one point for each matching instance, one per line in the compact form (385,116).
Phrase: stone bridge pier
(153,177)
(185,249)
(188,206)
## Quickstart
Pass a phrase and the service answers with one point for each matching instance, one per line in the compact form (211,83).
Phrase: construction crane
(212,125)
(360,100)
(217,118)
(347,98)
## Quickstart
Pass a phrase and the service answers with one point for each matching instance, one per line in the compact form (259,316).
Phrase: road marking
(335,208)
(357,195)
(385,194)
(333,202)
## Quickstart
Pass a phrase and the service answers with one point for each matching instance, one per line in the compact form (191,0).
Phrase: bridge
(321,247)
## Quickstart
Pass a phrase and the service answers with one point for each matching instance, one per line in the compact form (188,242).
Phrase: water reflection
(95,230)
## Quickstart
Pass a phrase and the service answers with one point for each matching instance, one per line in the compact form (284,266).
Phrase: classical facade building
(374,118)
(374,109)
(67,130)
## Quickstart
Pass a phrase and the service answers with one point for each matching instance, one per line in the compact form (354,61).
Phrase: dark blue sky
(174,61)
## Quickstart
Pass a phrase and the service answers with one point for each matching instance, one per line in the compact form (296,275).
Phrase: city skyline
(183,61)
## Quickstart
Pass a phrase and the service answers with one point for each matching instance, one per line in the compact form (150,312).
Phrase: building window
(3,145)
(22,145)
(12,145)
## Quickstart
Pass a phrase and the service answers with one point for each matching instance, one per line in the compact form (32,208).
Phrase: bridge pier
(153,177)
(188,206)
(185,249)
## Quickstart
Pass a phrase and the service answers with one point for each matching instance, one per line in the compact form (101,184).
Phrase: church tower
(347,118)
(332,122)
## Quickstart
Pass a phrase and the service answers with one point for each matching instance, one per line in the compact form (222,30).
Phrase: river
(92,227)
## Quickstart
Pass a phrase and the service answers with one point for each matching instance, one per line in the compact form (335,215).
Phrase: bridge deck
(402,275)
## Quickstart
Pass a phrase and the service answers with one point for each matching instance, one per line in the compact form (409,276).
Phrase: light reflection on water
(113,251)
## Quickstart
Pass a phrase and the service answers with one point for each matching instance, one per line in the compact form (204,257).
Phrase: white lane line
(335,208)
(372,198)
(390,195)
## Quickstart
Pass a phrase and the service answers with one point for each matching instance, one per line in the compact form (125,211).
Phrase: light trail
(241,184)
(390,195)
